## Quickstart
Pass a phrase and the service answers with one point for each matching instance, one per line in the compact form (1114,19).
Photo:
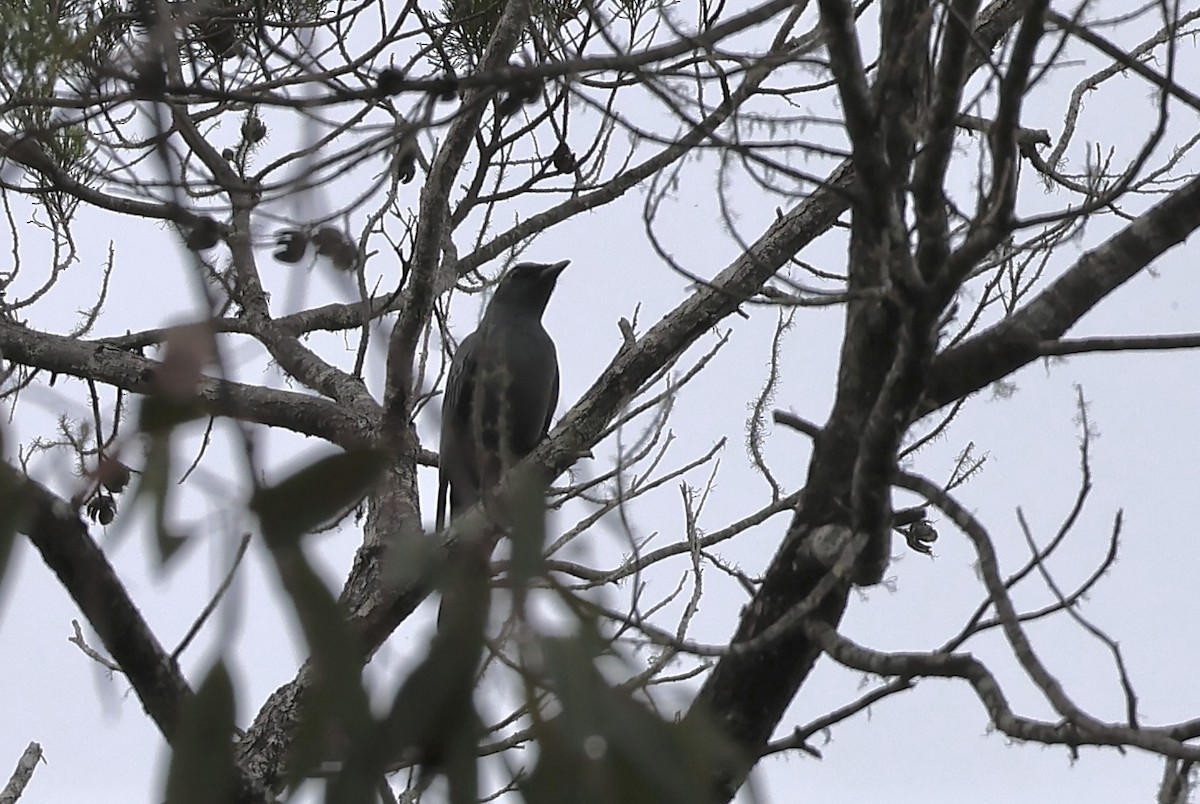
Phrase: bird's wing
(460,382)
(456,406)
(553,402)
(442,494)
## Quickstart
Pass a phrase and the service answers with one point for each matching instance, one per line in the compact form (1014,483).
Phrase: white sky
(930,744)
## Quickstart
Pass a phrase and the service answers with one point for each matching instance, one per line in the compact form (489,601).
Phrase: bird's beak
(554,270)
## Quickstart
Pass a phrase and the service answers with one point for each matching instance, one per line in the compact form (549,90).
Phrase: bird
(501,391)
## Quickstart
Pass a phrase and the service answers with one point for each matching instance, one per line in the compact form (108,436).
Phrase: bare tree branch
(62,539)
(1015,341)
(21,775)
(301,413)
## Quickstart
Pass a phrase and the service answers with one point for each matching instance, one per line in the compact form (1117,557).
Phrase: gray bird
(502,389)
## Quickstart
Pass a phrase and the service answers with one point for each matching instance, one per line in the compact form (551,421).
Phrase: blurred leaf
(605,747)
(412,558)
(336,709)
(433,721)
(155,487)
(190,347)
(160,415)
(315,495)
(10,512)
(174,382)
(202,764)
(528,533)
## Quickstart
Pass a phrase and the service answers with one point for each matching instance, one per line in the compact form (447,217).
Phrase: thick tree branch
(579,429)
(931,164)
(963,665)
(30,757)
(1084,727)
(99,361)
(1120,343)
(57,532)
(993,220)
(747,694)
(1017,340)
(433,222)
(862,122)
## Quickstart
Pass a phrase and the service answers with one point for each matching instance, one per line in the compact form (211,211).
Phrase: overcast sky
(932,743)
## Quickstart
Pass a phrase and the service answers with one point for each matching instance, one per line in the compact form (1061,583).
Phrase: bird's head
(526,288)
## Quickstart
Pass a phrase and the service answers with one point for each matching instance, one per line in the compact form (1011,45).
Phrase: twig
(216,598)
(1126,343)
(91,652)
(799,736)
(23,773)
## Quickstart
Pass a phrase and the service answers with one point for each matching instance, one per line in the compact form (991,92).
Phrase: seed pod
(528,89)
(205,232)
(151,80)
(253,129)
(450,93)
(102,508)
(113,475)
(509,105)
(220,36)
(390,81)
(404,165)
(563,159)
(292,243)
(335,245)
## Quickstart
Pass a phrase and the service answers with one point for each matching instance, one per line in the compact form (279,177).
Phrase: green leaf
(154,485)
(528,532)
(433,721)
(202,767)
(315,495)
(10,512)
(336,708)
(161,414)
(605,747)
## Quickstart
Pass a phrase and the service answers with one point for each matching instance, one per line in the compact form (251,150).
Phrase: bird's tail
(443,498)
